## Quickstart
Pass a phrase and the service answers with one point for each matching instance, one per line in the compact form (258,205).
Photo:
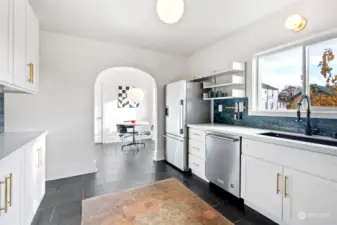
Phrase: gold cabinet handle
(278,183)
(285,187)
(31,73)
(10,202)
(5,208)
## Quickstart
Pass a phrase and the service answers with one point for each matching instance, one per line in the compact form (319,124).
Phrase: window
(283,75)
(322,71)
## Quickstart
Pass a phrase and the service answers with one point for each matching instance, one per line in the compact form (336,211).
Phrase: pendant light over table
(135,95)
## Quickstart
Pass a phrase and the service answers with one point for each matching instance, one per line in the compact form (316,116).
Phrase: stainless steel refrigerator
(184,105)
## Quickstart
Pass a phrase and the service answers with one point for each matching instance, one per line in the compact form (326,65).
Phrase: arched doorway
(107,111)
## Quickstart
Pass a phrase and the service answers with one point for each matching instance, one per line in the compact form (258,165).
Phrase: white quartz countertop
(12,141)
(254,134)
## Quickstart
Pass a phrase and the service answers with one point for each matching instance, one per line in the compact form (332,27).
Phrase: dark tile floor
(119,170)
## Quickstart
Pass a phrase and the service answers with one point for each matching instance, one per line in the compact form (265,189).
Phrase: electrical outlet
(220,108)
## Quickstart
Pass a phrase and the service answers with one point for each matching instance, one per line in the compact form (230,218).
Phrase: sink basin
(302,139)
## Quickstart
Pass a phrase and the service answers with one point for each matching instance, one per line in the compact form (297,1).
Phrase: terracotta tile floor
(62,204)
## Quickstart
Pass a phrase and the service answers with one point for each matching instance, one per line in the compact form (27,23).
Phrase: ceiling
(135,22)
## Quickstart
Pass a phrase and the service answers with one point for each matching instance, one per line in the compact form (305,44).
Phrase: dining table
(129,124)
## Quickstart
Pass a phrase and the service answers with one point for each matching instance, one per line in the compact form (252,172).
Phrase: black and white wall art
(123,101)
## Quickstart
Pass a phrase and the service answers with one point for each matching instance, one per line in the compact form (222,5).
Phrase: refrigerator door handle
(173,138)
(181,116)
(167,111)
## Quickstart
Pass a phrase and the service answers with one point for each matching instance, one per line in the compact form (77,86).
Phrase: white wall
(64,105)
(109,80)
(264,34)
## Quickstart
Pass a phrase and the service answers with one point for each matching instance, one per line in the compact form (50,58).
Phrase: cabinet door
(20,29)
(40,149)
(261,186)
(31,168)
(6,41)
(308,200)
(34,177)
(32,51)
(11,189)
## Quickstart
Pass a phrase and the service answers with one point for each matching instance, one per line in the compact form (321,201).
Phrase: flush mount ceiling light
(295,23)
(170,11)
(135,95)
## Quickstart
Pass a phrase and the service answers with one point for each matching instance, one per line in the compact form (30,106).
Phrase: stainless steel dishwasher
(223,161)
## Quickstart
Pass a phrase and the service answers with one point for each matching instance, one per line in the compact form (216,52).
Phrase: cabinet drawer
(198,135)
(197,165)
(197,148)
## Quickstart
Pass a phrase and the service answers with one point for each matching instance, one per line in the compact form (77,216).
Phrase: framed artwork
(123,101)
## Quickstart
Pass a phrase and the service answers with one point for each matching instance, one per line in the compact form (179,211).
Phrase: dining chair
(147,134)
(123,134)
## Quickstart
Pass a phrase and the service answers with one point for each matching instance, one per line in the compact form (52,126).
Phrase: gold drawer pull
(277,183)
(5,208)
(285,187)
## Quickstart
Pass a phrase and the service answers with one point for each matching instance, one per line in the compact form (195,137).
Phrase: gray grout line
(52,214)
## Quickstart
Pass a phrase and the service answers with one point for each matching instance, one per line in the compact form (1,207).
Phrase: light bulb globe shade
(295,23)
(135,95)
(170,11)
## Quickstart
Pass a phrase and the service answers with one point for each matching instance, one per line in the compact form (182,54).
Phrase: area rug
(166,202)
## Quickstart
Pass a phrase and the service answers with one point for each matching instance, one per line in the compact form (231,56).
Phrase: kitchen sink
(301,138)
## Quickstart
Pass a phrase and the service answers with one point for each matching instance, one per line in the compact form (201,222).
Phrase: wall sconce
(295,23)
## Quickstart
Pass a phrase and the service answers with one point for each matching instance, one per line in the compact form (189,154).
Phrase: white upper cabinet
(32,54)
(6,41)
(20,25)
(19,44)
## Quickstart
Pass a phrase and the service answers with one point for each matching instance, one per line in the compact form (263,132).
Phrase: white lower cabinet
(197,152)
(22,183)
(288,196)
(261,185)
(34,178)
(308,200)
(11,187)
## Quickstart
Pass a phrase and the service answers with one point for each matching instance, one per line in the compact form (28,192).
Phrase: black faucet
(308,130)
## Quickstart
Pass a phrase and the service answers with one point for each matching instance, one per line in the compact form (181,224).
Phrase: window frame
(254,95)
